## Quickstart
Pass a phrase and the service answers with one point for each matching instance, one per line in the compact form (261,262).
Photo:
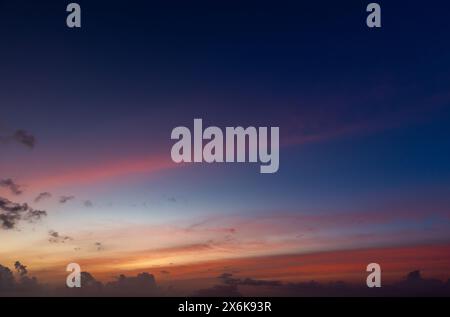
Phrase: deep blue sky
(137,69)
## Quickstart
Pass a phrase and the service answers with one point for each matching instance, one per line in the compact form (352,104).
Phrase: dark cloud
(9,206)
(7,281)
(230,280)
(99,246)
(412,285)
(225,276)
(164,272)
(20,268)
(88,203)
(11,213)
(12,186)
(25,138)
(42,196)
(55,237)
(144,284)
(9,220)
(88,281)
(34,215)
(415,285)
(219,291)
(25,286)
(64,199)
(21,137)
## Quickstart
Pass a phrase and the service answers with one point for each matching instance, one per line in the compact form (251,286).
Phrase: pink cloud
(100,172)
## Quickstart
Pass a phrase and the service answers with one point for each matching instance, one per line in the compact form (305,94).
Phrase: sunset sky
(364,116)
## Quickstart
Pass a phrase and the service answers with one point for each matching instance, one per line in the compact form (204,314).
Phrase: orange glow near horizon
(346,265)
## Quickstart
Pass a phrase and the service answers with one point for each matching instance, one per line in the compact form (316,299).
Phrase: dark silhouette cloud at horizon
(413,284)
(144,284)
(20,268)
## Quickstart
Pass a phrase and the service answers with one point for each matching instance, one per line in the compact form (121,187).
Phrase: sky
(86,116)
